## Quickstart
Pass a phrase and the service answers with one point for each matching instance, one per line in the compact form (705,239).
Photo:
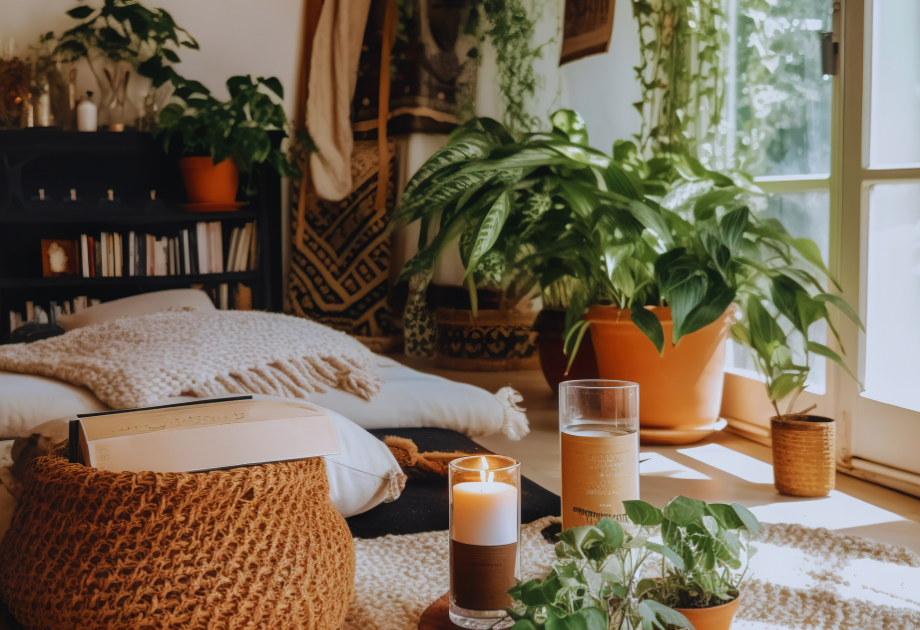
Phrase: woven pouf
(256,547)
(804,456)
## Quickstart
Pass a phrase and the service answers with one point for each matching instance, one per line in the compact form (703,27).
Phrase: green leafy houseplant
(613,576)
(239,128)
(125,31)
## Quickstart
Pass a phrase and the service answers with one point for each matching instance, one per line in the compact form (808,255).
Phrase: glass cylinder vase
(485,537)
(599,442)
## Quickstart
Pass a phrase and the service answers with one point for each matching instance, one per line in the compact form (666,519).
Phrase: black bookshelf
(131,164)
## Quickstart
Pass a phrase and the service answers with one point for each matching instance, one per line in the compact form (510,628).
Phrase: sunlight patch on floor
(734,463)
(655,465)
(837,511)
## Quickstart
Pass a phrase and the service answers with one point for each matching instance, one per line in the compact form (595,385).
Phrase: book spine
(201,242)
(132,247)
(84,256)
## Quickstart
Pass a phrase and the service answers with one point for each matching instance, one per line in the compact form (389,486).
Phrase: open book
(204,435)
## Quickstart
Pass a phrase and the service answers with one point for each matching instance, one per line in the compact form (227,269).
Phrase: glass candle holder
(485,537)
(599,435)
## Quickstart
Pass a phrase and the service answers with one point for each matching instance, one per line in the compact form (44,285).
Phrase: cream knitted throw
(802,578)
(134,361)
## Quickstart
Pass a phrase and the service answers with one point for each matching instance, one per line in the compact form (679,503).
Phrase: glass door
(880,237)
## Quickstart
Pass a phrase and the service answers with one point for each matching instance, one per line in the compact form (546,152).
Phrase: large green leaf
(613,532)
(750,521)
(810,252)
(725,514)
(706,204)
(80,12)
(684,510)
(672,557)
(488,232)
(649,324)
(471,146)
(733,225)
(715,302)
(652,611)
(824,351)
(572,125)
(642,513)
(580,539)
(843,306)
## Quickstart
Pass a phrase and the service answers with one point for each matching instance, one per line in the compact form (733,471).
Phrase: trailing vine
(681,74)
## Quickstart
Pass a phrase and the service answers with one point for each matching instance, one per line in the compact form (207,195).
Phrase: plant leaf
(81,12)
(672,557)
(649,324)
(824,351)
(684,510)
(613,532)
(811,253)
(750,521)
(733,225)
(488,232)
(642,513)
(842,305)
(572,125)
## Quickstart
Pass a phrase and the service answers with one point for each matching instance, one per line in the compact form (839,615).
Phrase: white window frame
(745,404)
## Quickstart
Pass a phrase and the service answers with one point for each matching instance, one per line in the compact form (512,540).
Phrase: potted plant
(221,138)
(118,37)
(615,576)
(496,198)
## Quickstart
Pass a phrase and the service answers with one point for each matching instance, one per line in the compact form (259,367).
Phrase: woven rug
(803,578)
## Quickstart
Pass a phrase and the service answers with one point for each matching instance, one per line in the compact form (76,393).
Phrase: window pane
(893,295)
(895,130)
(781,101)
(805,214)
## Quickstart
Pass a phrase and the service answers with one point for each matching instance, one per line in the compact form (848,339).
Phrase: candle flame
(485,474)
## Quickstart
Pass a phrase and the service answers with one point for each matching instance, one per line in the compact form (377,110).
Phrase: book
(234,245)
(159,257)
(151,255)
(119,256)
(97,255)
(224,297)
(193,252)
(242,297)
(253,248)
(30,312)
(242,256)
(111,240)
(132,252)
(186,253)
(205,435)
(215,249)
(201,240)
(104,239)
(85,255)
(91,246)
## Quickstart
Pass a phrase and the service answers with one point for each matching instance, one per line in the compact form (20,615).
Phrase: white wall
(257,37)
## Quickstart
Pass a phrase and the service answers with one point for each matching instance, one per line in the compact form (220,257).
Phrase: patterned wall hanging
(340,255)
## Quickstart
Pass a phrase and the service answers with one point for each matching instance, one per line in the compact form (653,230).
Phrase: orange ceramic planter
(206,182)
(679,390)
(715,618)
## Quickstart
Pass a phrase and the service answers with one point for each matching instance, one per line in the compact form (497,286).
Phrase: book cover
(104,239)
(201,242)
(111,242)
(159,258)
(151,255)
(242,256)
(206,435)
(253,247)
(231,253)
(91,248)
(119,255)
(132,253)
(193,251)
(186,253)
(97,255)
(218,246)
(224,297)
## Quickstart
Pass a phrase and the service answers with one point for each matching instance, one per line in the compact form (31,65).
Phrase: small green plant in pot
(221,138)
(613,576)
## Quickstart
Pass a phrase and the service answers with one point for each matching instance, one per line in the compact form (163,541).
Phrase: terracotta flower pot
(715,618)
(804,455)
(206,182)
(496,340)
(679,390)
(550,327)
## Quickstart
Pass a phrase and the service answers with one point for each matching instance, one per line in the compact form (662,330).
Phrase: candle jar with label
(599,435)
(485,532)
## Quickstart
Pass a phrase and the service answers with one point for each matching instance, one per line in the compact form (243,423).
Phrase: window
(780,108)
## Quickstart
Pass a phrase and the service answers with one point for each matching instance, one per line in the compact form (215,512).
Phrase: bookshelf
(131,165)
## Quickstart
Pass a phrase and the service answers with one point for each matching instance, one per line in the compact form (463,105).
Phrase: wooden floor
(725,468)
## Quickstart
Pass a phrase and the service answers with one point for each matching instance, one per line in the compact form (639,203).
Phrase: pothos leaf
(672,557)
(642,513)
(650,609)
(750,521)
(649,324)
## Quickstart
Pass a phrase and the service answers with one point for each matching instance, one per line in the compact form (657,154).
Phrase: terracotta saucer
(680,436)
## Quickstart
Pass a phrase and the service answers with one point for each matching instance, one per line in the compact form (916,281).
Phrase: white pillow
(408,398)
(142,304)
(364,475)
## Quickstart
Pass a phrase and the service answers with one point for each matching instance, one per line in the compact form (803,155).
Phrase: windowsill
(732,465)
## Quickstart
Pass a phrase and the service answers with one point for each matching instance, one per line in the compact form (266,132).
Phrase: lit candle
(485,513)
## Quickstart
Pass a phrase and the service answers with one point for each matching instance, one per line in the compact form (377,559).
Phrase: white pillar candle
(485,513)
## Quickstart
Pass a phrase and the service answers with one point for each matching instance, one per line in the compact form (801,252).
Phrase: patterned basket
(256,547)
(496,340)
(804,455)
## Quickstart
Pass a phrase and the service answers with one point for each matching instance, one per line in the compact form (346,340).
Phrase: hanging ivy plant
(680,71)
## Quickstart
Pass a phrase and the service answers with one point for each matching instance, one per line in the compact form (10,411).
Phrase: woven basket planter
(495,340)
(256,547)
(804,455)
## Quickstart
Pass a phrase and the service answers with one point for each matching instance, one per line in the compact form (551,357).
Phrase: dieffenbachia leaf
(488,232)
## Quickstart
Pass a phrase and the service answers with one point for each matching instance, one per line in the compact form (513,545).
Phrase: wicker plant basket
(804,456)
(496,340)
(256,547)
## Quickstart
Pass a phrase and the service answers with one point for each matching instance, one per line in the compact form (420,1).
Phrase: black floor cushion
(423,504)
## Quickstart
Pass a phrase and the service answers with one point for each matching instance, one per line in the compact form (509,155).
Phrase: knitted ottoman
(257,547)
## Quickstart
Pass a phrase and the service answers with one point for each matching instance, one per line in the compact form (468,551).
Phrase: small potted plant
(219,139)
(615,576)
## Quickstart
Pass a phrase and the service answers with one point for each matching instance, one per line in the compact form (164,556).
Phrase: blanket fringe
(515,424)
(296,378)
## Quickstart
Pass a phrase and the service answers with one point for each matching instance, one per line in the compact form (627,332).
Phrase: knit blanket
(802,578)
(135,361)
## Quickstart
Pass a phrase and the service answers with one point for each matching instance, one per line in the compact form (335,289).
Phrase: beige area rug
(803,578)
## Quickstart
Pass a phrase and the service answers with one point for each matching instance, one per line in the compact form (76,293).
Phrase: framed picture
(60,258)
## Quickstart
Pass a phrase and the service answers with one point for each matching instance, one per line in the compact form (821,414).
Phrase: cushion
(142,304)
(407,399)
(423,506)
(255,547)
(361,477)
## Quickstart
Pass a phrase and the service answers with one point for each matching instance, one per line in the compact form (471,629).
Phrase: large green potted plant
(614,576)
(221,138)
(496,199)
